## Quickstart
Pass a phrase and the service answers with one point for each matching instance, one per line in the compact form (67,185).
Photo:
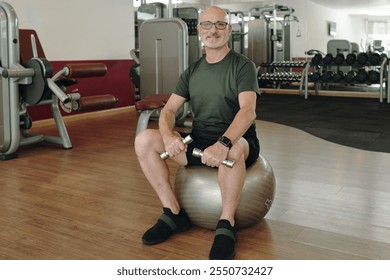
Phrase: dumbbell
(199,153)
(327,59)
(186,140)
(351,58)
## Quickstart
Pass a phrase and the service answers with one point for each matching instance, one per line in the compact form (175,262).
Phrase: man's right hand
(174,144)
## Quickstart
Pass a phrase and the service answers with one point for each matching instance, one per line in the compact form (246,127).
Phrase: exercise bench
(150,107)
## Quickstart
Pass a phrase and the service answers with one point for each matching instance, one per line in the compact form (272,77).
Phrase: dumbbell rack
(279,72)
(320,68)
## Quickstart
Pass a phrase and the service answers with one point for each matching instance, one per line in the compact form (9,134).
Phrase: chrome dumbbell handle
(199,153)
(186,140)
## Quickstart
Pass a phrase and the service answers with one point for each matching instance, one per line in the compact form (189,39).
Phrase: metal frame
(12,107)
(384,91)
(163,57)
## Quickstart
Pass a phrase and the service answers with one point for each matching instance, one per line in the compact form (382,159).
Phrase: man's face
(215,37)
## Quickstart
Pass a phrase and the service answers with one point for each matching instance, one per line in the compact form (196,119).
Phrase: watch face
(225,141)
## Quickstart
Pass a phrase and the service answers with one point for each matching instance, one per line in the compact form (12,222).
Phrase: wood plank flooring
(93,202)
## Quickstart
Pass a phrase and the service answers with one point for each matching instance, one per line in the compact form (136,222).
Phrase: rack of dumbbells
(280,73)
(354,69)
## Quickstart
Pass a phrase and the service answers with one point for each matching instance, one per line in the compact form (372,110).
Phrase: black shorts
(254,149)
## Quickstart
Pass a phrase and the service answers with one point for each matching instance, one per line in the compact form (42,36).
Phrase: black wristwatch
(225,141)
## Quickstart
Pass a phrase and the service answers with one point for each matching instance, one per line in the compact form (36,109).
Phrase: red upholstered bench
(151,104)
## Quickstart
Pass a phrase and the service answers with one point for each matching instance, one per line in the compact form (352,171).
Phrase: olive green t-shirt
(213,90)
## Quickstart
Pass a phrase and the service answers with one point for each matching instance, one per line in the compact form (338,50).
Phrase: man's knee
(239,151)
(145,140)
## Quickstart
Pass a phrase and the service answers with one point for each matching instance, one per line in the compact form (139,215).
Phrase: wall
(80,30)
(313,23)
(350,28)
(84,31)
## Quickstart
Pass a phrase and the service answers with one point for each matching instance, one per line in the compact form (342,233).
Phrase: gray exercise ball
(199,194)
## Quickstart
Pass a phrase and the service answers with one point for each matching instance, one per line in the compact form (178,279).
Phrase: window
(378,36)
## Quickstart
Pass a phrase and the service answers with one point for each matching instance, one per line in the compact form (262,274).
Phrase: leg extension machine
(28,83)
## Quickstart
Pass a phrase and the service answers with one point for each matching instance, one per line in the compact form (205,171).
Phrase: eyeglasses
(220,25)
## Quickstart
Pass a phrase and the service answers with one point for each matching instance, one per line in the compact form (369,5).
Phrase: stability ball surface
(199,194)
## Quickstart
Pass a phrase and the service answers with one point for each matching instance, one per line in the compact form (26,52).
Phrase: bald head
(214,14)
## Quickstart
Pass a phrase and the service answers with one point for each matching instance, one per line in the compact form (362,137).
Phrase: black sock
(224,245)
(166,225)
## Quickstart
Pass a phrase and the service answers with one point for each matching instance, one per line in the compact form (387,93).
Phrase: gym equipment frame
(31,82)
(163,57)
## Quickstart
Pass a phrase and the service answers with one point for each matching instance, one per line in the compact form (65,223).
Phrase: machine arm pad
(82,70)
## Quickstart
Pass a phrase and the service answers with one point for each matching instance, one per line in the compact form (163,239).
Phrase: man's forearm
(240,125)
(166,122)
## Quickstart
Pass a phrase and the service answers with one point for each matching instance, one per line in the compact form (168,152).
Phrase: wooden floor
(92,202)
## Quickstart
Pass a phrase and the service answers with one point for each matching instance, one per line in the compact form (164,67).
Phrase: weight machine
(167,45)
(269,33)
(27,79)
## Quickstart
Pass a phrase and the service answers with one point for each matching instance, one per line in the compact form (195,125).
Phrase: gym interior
(81,78)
